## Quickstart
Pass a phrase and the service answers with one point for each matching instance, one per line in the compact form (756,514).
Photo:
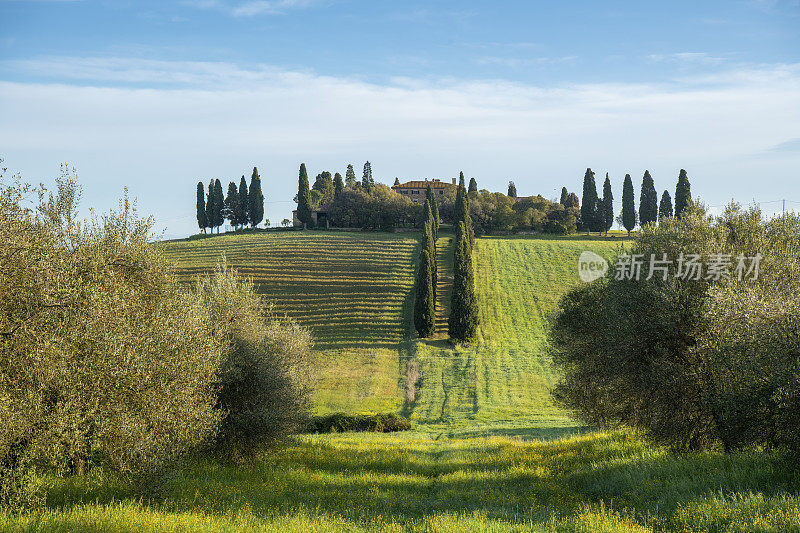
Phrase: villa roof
(423,184)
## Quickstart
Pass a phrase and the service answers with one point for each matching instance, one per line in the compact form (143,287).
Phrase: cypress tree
(350,177)
(366,180)
(512,190)
(202,222)
(255,200)
(232,205)
(564,196)
(628,205)
(303,198)
(219,204)
(397,181)
(210,199)
(463,321)
(431,197)
(473,186)
(244,203)
(589,201)
(462,211)
(608,206)
(572,201)
(648,200)
(683,194)
(338,185)
(665,207)
(424,311)
(429,242)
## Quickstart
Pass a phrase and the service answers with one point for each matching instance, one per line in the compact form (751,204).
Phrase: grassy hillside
(353,290)
(506,376)
(420,482)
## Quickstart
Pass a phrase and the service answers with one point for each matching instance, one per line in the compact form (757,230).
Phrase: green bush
(265,377)
(106,359)
(696,363)
(340,422)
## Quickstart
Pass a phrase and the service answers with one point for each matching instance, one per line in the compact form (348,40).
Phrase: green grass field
(424,481)
(490,450)
(355,291)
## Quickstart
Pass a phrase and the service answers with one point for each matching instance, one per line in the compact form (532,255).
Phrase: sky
(157,95)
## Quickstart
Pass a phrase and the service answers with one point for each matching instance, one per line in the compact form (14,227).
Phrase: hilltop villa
(415,190)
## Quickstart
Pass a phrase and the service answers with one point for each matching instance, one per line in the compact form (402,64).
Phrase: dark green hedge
(339,422)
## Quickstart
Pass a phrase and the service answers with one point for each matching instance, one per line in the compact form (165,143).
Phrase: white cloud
(252,7)
(701,58)
(220,119)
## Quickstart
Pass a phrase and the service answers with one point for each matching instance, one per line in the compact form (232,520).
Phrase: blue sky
(156,95)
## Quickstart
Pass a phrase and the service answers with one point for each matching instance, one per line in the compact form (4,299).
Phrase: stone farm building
(415,190)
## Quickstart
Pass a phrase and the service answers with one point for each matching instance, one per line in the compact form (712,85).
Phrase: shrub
(695,363)
(104,356)
(265,376)
(340,422)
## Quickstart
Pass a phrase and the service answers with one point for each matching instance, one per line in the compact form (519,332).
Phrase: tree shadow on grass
(416,478)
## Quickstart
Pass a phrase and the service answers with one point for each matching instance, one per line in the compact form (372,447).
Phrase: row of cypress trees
(463,323)
(241,206)
(597,214)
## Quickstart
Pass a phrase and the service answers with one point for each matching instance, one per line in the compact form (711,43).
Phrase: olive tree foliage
(264,380)
(105,359)
(696,363)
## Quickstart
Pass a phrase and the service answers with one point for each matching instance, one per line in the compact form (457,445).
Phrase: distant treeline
(242,206)
(597,213)
(369,205)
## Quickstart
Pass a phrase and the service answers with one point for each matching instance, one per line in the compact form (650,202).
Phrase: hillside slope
(505,377)
(355,291)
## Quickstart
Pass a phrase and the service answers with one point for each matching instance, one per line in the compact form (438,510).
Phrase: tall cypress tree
(683,194)
(338,185)
(463,321)
(366,180)
(303,198)
(512,190)
(210,199)
(219,203)
(462,211)
(473,186)
(244,203)
(424,310)
(431,197)
(648,201)
(628,205)
(564,196)
(589,202)
(665,207)
(572,201)
(350,177)
(202,221)
(608,206)
(232,205)
(255,200)
(429,241)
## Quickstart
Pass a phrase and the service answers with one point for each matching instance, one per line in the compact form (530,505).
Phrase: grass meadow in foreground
(428,481)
